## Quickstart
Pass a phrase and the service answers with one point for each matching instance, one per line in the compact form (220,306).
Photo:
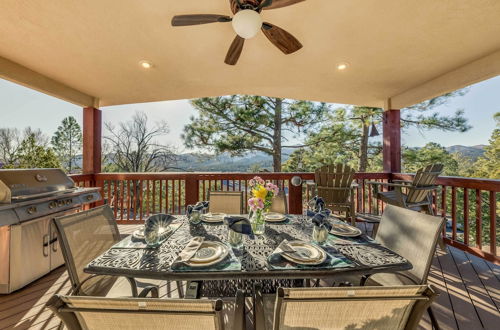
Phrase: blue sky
(21,107)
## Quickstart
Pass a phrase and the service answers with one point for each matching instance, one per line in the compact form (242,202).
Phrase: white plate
(274,217)
(308,254)
(344,230)
(208,254)
(213,217)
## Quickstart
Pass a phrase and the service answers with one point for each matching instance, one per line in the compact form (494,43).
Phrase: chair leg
(434,322)
(180,288)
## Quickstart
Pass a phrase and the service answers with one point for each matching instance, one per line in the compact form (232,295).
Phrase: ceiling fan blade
(234,52)
(280,3)
(280,38)
(184,20)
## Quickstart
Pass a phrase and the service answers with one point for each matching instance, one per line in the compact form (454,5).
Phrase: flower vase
(258,222)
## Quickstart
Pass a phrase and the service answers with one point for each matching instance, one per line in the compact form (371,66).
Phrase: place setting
(203,255)
(213,217)
(156,230)
(276,218)
(345,234)
(298,254)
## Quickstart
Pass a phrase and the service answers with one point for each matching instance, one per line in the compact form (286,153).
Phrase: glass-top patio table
(363,255)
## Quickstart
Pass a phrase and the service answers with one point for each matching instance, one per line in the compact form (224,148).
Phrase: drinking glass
(320,234)
(235,239)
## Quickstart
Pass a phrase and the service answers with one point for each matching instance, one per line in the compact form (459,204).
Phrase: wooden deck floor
(469,287)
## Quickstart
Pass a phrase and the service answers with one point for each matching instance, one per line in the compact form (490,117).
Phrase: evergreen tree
(33,155)
(432,153)
(488,165)
(239,124)
(67,142)
(332,144)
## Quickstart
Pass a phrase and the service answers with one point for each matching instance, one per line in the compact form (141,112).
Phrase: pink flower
(255,203)
(251,182)
(273,188)
(259,180)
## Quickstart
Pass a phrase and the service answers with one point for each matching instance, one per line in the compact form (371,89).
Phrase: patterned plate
(274,217)
(214,217)
(342,229)
(208,254)
(307,254)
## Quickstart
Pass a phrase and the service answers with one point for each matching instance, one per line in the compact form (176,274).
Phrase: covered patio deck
(397,54)
(468,286)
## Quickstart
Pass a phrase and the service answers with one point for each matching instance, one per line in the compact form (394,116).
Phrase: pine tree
(33,155)
(67,142)
(239,124)
(488,165)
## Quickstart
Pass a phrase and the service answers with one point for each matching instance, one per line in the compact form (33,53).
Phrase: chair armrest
(239,311)
(133,285)
(402,181)
(149,289)
(337,188)
(388,184)
(364,278)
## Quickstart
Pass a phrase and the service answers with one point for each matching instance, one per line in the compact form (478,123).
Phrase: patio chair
(334,185)
(398,307)
(280,204)
(412,235)
(418,191)
(100,313)
(229,202)
(83,237)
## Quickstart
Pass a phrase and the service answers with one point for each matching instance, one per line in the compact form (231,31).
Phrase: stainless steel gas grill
(29,199)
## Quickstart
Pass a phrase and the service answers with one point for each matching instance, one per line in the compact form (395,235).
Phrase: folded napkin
(326,212)
(284,247)
(200,206)
(321,220)
(240,225)
(190,249)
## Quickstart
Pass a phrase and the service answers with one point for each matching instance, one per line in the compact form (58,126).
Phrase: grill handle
(46,245)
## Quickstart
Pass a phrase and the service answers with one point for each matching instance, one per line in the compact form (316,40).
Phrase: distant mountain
(473,152)
(201,162)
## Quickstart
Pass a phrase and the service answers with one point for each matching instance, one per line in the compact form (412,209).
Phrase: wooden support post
(295,199)
(192,191)
(92,128)
(392,141)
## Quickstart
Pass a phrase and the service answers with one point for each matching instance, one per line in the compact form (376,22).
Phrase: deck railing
(470,205)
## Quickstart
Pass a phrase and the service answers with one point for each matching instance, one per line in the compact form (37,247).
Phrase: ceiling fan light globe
(247,23)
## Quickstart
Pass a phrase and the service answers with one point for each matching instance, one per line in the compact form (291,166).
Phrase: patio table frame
(155,263)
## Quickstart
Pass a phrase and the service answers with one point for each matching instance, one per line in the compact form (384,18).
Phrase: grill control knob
(52,204)
(60,203)
(89,197)
(68,201)
(31,210)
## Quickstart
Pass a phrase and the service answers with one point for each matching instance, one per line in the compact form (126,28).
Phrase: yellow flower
(260,192)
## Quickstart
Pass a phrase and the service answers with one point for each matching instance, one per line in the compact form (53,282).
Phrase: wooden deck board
(469,287)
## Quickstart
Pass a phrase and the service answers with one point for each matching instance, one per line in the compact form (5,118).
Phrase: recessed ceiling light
(342,66)
(146,64)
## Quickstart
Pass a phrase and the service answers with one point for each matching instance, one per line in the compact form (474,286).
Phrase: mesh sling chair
(334,185)
(397,307)
(100,313)
(83,237)
(229,202)
(280,204)
(418,191)
(412,235)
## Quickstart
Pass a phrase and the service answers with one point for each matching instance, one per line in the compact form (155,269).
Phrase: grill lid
(21,184)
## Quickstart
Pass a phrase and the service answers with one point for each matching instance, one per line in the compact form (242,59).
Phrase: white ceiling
(406,51)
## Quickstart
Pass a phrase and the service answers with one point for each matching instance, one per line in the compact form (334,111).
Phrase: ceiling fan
(246,23)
